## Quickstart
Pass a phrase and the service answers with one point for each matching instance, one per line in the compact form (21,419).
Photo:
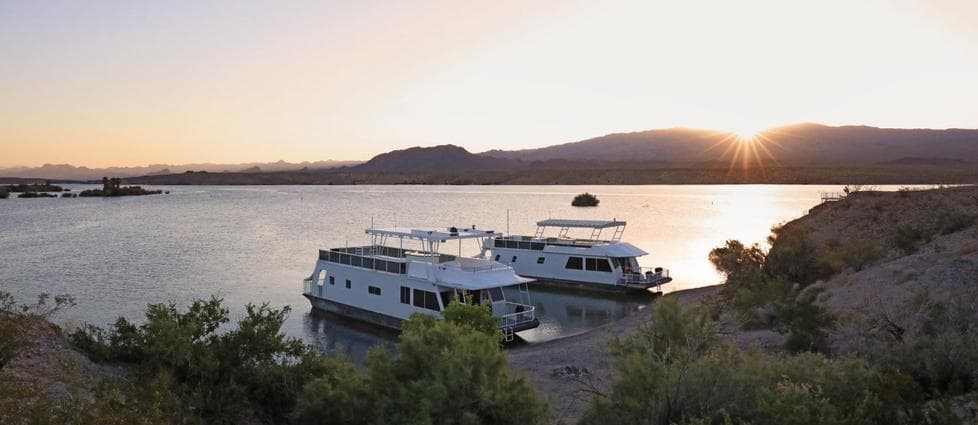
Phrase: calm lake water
(257,243)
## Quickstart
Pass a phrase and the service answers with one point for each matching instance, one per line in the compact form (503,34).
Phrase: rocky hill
(443,158)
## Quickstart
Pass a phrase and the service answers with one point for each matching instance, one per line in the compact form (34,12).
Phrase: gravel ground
(569,370)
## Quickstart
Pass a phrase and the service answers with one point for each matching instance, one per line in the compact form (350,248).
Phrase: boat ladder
(508,334)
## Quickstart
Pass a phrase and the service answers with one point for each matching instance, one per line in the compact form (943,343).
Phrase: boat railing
(831,196)
(646,275)
(358,257)
(515,314)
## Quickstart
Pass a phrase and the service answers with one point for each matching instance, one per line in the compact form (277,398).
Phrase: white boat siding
(385,285)
(588,263)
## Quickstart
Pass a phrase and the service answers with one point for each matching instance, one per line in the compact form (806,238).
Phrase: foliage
(674,371)
(760,297)
(804,322)
(735,259)
(17,322)
(935,343)
(252,369)
(447,372)
(793,256)
(4,194)
(908,239)
(585,200)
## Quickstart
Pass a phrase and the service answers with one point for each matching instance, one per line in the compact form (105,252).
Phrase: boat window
(334,257)
(496,294)
(603,266)
(426,299)
(447,297)
(332,280)
(405,295)
(393,267)
(380,265)
(512,244)
(615,262)
(497,257)
(540,260)
(537,246)
(356,260)
(514,259)
(576,263)
(373,290)
(499,243)
(524,245)
(368,263)
(344,258)
(348,283)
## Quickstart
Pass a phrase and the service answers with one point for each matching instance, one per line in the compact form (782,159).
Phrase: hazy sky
(102,83)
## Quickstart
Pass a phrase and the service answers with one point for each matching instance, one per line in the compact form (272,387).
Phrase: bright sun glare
(746,134)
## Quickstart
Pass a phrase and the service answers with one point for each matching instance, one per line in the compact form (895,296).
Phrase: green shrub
(252,370)
(674,371)
(19,322)
(908,239)
(446,372)
(793,257)
(935,343)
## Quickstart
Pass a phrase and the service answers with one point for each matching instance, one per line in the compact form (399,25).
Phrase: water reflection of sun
(744,213)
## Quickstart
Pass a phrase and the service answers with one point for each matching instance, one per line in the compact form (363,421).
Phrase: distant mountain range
(70,172)
(800,145)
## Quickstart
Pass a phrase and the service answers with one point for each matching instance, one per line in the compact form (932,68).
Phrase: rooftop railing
(363,257)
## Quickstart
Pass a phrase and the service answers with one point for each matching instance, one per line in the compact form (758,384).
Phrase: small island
(585,200)
(36,190)
(112,187)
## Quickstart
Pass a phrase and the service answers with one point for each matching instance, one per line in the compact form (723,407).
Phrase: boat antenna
(507,221)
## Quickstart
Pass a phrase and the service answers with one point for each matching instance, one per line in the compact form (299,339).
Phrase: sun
(746,133)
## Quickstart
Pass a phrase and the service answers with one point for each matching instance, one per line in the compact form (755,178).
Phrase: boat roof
(587,224)
(434,235)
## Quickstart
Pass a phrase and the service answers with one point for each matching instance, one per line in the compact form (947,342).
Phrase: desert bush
(804,323)
(675,371)
(793,256)
(908,239)
(935,343)
(18,322)
(953,221)
(252,370)
(856,253)
(446,372)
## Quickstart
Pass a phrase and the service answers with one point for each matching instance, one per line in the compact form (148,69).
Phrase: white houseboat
(385,283)
(591,262)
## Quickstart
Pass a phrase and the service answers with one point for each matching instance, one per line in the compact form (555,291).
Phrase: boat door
(497,300)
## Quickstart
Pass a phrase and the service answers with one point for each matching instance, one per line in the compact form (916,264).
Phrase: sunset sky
(102,83)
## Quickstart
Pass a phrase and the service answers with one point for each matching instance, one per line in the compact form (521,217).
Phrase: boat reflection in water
(335,334)
(566,312)
(561,312)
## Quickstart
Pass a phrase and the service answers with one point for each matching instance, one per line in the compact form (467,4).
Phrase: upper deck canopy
(434,235)
(585,224)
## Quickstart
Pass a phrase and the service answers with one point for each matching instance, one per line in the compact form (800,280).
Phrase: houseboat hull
(381,319)
(597,287)
(352,312)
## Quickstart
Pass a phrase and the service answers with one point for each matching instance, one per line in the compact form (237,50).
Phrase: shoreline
(568,369)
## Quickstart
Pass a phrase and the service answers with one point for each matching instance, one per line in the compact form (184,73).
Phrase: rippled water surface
(254,244)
